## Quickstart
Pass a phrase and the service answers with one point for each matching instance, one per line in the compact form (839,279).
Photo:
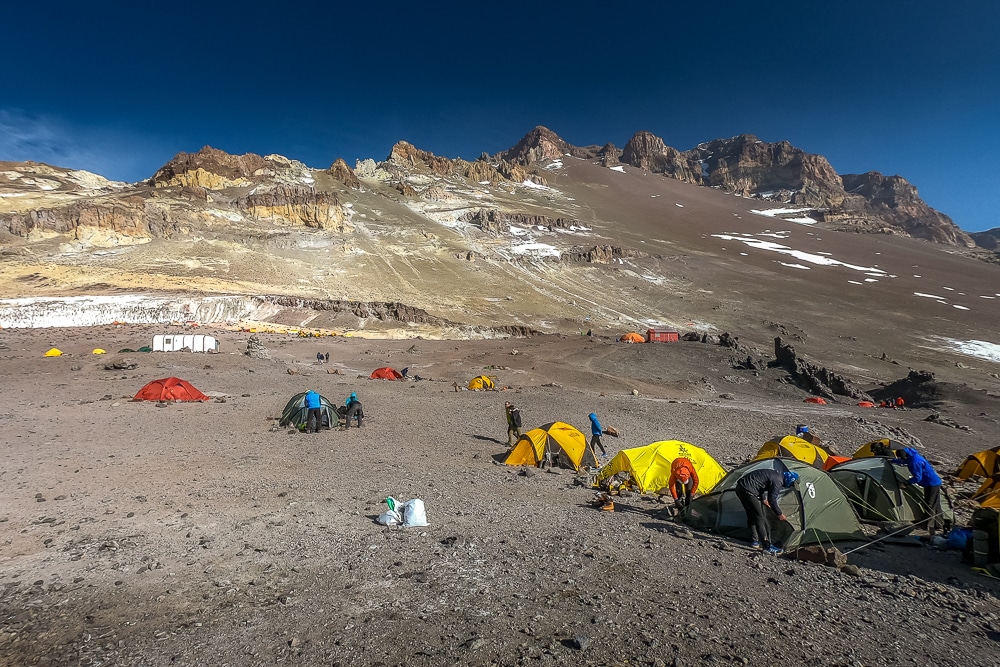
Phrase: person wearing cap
(596,431)
(683,481)
(759,489)
(513,423)
(922,473)
(314,418)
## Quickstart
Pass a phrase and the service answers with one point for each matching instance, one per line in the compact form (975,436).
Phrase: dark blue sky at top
(901,87)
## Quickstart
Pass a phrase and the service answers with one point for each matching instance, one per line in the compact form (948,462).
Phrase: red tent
(386,373)
(815,399)
(170,389)
(865,404)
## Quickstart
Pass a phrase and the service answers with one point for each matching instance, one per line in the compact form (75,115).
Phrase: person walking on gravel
(596,431)
(513,423)
(758,490)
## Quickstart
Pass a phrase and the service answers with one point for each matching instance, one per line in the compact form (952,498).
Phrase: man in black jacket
(757,490)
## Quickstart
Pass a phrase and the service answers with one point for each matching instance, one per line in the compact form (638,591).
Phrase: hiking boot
(775,551)
(755,545)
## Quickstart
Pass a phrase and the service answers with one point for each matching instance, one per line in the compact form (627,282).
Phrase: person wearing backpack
(513,423)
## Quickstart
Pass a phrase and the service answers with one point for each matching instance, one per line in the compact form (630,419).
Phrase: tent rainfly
(649,466)
(877,488)
(170,389)
(817,510)
(481,383)
(567,447)
(796,448)
(386,373)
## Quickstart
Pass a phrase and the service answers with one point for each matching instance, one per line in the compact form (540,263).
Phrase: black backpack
(515,417)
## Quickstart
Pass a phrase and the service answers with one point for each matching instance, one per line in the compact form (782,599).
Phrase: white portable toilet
(193,342)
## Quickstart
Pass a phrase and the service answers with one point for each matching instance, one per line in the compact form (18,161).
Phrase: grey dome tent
(296,412)
(877,489)
(817,510)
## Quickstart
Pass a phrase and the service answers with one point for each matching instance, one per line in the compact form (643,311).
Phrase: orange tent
(170,389)
(632,337)
(815,399)
(833,460)
(386,373)
(865,404)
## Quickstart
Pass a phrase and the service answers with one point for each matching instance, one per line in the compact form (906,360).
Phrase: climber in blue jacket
(922,473)
(596,431)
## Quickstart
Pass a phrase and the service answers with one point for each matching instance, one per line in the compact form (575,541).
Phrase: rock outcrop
(745,165)
(494,221)
(602,254)
(894,201)
(340,171)
(647,151)
(539,145)
(209,168)
(610,155)
(818,380)
(102,222)
(482,171)
(990,239)
(404,153)
(294,205)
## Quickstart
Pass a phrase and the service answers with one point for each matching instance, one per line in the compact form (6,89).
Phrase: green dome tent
(878,491)
(296,413)
(816,508)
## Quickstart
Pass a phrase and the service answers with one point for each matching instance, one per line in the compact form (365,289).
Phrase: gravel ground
(197,534)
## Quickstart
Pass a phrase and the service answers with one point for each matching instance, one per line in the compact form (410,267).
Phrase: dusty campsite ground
(195,534)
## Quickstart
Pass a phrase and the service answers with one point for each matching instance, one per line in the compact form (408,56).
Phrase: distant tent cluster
(163,343)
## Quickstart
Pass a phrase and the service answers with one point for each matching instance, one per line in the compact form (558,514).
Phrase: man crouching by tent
(683,481)
(354,409)
(762,487)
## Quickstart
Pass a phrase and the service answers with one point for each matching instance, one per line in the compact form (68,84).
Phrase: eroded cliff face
(293,205)
(749,167)
(542,144)
(894,201)
(647,151)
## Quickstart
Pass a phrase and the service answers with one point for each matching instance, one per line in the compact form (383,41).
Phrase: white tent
(192,342)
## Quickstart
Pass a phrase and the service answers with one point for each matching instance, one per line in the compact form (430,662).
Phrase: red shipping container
(662,336)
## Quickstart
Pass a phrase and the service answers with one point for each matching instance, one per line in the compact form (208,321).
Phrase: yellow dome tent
(567,445)
(982,464)
(54,352)
(884,445)
(795,448)
(632,337)
(98,350)
(988,494)
(481,383)
(649,466)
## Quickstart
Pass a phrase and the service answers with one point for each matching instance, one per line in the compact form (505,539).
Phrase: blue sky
(909,88)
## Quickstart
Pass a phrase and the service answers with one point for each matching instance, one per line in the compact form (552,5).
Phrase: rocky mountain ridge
(541,237)
(749,167)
